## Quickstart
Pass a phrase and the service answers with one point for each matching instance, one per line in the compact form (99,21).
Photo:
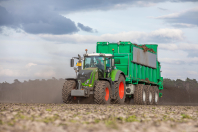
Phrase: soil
(100,118)
(145,48)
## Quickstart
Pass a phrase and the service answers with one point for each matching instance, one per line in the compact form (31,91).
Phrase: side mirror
(113,62)
(71,62)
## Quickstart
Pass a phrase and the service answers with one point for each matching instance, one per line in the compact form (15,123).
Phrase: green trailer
(115,73)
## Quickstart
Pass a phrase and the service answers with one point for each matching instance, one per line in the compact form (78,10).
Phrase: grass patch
(87,113)
(96,120)
(19,116)
(131,119)
(50,119)
(165,117)
(1,122)
(73,121)
(48,109)
(185,116)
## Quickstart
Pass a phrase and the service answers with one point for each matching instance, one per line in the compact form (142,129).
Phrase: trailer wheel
(66,91)
(155,95)
(149,95)
(140,94)
(120,90)
(102,92)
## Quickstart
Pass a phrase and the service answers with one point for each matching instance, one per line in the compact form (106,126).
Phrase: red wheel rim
(107,94)
(121,90)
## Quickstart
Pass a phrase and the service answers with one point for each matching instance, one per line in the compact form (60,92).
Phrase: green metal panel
(113,46)
(123,55)
(124,48)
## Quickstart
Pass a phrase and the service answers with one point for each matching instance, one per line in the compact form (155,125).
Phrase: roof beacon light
(86,50)
(113,51)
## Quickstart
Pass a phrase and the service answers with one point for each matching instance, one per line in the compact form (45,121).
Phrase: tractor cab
(101,61)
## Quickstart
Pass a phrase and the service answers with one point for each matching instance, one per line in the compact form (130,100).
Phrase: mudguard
(71,79)
(115,75)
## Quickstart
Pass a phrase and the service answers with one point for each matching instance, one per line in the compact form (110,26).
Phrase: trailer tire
(120,91)
(155,95)
(136,94)
(149,95)
(140,94)
(102,92)
(66,91)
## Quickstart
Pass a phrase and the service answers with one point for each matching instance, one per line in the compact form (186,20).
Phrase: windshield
(94,61)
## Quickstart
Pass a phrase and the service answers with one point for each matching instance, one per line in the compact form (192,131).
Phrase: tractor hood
(86,74)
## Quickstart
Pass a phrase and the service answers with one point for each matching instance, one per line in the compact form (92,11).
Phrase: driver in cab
(100,65)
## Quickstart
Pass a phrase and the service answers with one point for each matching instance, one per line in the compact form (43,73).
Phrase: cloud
(86,28)
(6,19)
(44,17)
(179,61)
(183,25)
(38,22)
(163,9)
(45,74)
(185,19)
(192,72)
(161,35)
(182,46)
(30,64)
(8,72)
(191,49)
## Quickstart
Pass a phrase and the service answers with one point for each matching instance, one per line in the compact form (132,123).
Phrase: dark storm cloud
(39,21)
(86,28)
(43,17)
(50,24)
(182,20)
(6,19)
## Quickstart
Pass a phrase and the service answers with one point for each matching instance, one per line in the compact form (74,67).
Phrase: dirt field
(84,117)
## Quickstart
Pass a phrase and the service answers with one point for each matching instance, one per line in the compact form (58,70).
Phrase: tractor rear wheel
(120,90)
(102,92)
(155,95)
(149,95)
(140,94)
(66,91)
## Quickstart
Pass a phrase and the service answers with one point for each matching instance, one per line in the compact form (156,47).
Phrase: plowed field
(101,118)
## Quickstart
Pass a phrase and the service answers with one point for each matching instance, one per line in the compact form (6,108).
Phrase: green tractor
(98,82)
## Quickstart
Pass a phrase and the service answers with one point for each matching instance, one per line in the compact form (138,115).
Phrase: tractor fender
(71,79)
(115,75)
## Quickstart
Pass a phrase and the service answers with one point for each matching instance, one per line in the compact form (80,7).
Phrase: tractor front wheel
(66,91)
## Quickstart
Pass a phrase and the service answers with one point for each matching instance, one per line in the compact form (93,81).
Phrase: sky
(38,38)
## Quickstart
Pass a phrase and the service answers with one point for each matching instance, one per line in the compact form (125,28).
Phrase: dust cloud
(32,91)
(175,92)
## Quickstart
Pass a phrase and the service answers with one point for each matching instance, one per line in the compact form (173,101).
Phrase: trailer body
(138,62)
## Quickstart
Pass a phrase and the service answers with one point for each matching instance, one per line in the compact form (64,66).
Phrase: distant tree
(16,81)
(53,78)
